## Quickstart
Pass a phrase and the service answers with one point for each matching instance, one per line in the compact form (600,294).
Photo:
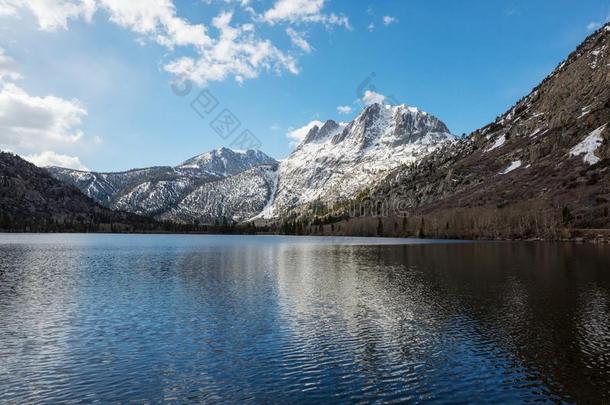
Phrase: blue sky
(87,83)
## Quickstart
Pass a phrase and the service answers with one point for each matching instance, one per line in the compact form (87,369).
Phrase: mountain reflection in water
(275,319)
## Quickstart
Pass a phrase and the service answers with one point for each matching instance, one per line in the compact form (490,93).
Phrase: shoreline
(592,236)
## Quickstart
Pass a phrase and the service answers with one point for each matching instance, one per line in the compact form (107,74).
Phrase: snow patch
(584,111)
(589,145)
(499,142)
(596,54)
(267,211)
(513,166)
(536,132)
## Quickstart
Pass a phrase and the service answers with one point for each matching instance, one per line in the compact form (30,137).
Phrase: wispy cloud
(511,11)
(300,11)
(297,135)
(8,67)
(388,20)
(372,97)
(298,40)
(593,25)
(344,109)
(49,158)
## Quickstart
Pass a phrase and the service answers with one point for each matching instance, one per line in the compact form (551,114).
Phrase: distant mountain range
(536,170)
(334,162)
(219,184)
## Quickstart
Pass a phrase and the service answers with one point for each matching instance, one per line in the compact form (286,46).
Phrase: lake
(266,319)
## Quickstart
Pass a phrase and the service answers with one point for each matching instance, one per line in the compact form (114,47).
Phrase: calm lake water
(235,319)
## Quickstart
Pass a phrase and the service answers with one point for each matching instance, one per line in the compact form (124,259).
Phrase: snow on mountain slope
(225,162)
(153,197)
(238,197)
(333,163)
(105,188)
(156,191)
(337,161)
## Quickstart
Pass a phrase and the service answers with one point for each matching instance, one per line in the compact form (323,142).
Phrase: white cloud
(511,11)
(51,14)
(233,51)
(372,97)
(7,9)
(297,135)
(388,19)
(157,20)
(298,40)
(237,52)
(294,10)
(8,67)
(49,158)
(371,27)
(29,122)
(593,25)
(154,18)
(344,109)
(298,11)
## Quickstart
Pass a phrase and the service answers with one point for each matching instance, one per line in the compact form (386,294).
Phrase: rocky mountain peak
(395,125)
(226,162)
(412,124)
(318,133)
(336,161)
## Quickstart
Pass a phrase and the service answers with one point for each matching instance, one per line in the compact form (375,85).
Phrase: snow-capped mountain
(337,161)
(224,162)
(105,188)
(174,193)
(238,197)
(333,163)
(541,169)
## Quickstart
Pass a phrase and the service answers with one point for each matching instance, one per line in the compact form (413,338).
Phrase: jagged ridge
(336,161)
(165,192)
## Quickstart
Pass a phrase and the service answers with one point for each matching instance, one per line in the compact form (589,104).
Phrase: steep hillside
(106,188)
(539,168)
(32,200)
(240,197)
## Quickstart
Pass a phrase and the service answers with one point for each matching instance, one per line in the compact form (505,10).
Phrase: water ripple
(144,319)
